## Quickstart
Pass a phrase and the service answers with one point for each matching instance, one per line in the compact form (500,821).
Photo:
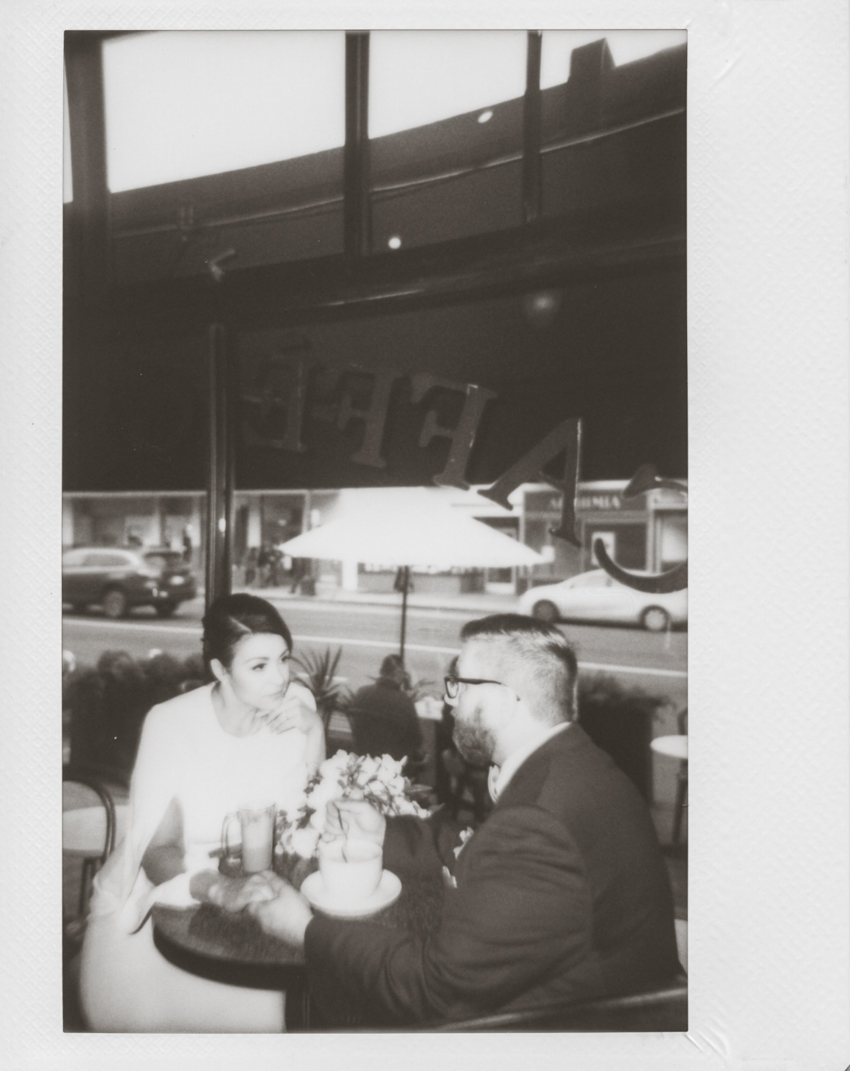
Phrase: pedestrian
(251,566)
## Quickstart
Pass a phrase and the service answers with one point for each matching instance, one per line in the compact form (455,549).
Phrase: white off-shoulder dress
(126,984)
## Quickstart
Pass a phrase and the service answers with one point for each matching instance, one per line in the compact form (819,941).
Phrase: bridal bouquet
(343,776)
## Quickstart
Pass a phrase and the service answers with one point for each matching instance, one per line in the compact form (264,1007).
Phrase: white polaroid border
(768,387)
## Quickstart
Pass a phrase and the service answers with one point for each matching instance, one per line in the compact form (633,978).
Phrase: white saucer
(338,907)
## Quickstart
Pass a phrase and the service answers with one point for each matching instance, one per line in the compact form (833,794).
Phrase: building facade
(648,533)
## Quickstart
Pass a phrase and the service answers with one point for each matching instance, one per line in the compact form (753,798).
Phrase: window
(107,561)
(456,170)
(422,76)
(163,559)
(624,45)
(180,105)
(596,579)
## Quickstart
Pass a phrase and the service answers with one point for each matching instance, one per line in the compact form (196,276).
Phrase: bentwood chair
(676,747)
(89,833)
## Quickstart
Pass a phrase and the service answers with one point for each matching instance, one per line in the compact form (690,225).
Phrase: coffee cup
(351,869)
(256,825)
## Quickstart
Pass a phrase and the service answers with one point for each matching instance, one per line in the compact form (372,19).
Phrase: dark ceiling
(580,195)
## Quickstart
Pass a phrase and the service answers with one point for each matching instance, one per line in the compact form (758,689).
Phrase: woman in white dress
(251,734)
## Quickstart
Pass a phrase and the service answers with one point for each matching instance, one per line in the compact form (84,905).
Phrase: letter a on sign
(566,437)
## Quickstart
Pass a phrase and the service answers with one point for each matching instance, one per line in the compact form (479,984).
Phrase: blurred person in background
(384,719)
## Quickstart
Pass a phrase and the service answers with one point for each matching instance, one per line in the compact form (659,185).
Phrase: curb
(488,604)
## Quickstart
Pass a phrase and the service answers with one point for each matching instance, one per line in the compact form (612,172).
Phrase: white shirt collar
(499,776)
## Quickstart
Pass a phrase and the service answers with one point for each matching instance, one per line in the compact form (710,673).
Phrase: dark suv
(119,578)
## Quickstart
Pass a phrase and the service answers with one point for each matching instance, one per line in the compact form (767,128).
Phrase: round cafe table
(233,949)
(209,942)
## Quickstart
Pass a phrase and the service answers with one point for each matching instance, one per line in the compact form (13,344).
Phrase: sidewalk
(474,605)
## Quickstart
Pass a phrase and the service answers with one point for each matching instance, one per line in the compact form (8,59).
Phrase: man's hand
(356,819)
(287,915)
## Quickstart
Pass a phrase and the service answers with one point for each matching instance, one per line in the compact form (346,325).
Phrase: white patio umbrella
(410,529)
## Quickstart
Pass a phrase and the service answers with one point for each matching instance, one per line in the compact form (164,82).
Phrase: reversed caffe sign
(292,404)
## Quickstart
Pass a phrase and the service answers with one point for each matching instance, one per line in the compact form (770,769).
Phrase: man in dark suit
(562,893)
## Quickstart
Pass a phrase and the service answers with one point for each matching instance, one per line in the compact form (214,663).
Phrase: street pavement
(367,627)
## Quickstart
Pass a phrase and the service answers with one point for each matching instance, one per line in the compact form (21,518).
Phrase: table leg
(297,1013)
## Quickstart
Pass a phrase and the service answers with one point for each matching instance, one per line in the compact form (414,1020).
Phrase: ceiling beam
(532,189)
(356,209)
(548,253)
(87,122)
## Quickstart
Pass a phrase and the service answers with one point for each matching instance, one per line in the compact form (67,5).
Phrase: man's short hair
(537,653)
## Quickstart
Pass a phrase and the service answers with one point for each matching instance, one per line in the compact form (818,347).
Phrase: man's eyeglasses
(453,684)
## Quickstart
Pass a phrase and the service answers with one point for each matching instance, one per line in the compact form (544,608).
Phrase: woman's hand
(231,894)
(293,713)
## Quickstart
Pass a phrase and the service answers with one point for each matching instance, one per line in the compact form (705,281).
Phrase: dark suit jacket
(562,895)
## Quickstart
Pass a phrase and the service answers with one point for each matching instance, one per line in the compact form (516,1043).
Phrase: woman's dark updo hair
(230,617)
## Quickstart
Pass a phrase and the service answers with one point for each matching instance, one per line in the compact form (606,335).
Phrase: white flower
(344,776)
(389,768)
(324,792)
(318,818)
(406,806)
(335,765)
(368,769)
(304,842)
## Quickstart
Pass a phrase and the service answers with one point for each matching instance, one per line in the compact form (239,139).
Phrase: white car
(596,596)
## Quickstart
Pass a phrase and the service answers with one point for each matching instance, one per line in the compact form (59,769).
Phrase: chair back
(377,734)
(83,777)
(658,1010)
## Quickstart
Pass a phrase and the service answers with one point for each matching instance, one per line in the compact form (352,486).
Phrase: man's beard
(474,742)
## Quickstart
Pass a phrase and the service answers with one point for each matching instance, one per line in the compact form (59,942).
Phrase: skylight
(423,76)
(184,104)
(180,105)
(624,45)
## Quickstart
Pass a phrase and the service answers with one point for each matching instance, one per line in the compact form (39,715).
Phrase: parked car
(596,596)
(120,578)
